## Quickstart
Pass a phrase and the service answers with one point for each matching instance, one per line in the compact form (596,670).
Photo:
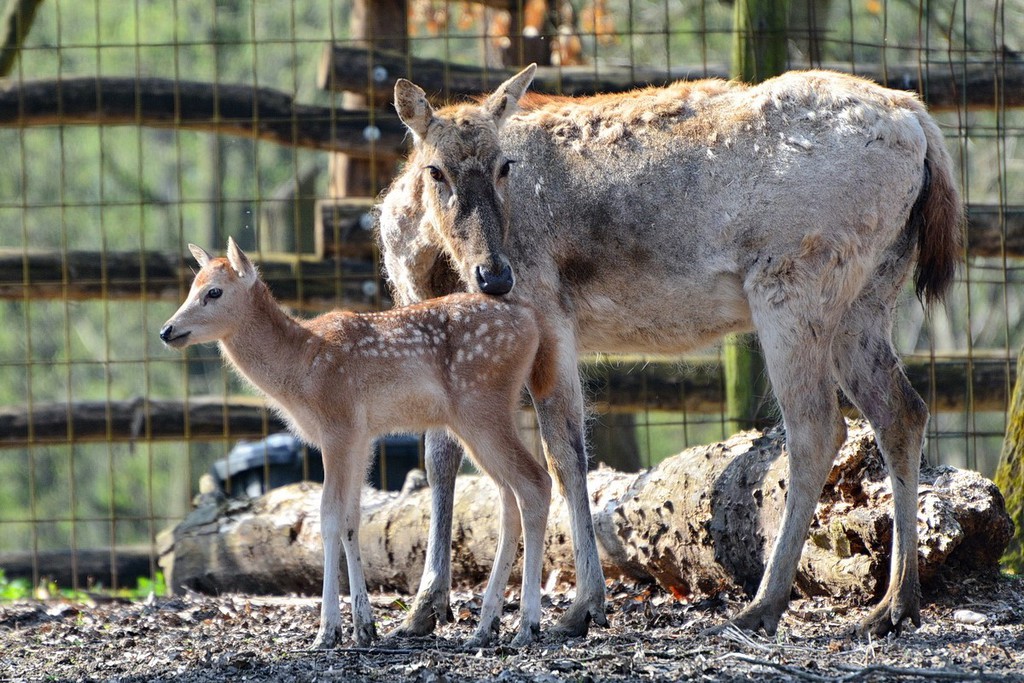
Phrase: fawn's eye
(214,293)
(505,168)
(435,174)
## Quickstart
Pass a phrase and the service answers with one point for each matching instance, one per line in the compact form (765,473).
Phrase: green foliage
(145,587)
(14,589)
(21,589)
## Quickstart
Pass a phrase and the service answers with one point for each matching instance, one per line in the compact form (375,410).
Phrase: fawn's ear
(241,263)
(201,255)
(504,101)
(413,108)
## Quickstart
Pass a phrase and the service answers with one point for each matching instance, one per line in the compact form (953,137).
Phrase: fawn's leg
(344,468)
(508,544)
(525,493)
(533,493)
(560,417)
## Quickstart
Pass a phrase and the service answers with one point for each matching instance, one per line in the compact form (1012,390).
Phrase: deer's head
(465,177)
(216,303)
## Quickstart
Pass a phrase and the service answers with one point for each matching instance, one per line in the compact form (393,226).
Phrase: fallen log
(697,523)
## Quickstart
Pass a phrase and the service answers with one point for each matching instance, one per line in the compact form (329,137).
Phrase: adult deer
(659,220)
(342,378)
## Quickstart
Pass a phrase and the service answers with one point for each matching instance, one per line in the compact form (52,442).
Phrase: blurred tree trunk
(759,51)
(1010,473)
(808,26)
(382,25)
(17,21)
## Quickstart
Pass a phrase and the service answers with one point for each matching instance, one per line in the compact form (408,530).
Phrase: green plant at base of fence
(21,589)
(13,589)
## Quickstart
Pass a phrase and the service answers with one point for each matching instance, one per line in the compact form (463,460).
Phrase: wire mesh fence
(134,128)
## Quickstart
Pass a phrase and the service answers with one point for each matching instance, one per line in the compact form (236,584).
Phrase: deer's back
(656,208)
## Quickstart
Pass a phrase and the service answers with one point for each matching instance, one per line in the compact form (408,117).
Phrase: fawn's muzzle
(168,336)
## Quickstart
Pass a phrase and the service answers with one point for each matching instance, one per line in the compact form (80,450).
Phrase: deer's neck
(269,347)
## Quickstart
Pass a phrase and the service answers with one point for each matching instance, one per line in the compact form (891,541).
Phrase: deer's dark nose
(167,333)
(497,284)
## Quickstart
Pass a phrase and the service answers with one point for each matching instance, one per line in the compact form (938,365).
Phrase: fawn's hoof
(327,637)
(485,634)
(365,634)
(528,633)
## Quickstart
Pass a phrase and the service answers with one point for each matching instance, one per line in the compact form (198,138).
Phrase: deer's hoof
(576,620)
(890,615)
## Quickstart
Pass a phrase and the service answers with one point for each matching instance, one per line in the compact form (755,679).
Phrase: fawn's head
(464,176)
(219,296)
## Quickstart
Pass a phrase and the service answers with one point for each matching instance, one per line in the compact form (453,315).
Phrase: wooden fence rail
(79,275)
(948,384)
(231,109)
(942,85)
(343,229)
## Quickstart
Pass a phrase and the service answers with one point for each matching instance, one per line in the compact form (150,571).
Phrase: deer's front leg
(431,606)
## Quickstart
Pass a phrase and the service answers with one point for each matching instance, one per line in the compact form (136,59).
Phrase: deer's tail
(938,217)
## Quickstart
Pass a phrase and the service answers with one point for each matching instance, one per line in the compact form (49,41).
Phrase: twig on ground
(785,668)
(859,673)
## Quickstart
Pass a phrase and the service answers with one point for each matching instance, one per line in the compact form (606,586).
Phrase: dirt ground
(972,630)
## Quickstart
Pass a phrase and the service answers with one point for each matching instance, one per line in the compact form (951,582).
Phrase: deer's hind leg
(797,356)
(871,375)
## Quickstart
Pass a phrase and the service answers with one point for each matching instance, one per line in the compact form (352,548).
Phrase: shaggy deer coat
(661,219)
(342,378)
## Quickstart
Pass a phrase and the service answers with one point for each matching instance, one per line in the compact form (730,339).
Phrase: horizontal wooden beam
(76,275)
(230,109)
(345,228)
(995,231)
(345,273)
(136,420)
(372,73)
(947,384)
(84,568)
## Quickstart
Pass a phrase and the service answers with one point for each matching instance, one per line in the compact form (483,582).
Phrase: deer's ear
(413,108)
(241,263)
(201,255)
(504,101)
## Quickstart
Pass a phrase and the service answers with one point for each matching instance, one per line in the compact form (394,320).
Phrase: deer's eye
(435,174)
(214,293)
(505,168)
